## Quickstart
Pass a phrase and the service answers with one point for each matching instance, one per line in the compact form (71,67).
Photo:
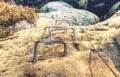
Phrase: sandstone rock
(55,70)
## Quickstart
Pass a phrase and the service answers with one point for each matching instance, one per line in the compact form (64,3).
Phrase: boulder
(113,10)
(81,4)
(54,6)
(74,15)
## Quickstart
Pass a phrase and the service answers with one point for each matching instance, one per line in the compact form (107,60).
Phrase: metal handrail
(56,28)
(49,42)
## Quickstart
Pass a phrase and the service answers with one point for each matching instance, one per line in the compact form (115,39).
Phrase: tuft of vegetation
(3,33)
(11,13)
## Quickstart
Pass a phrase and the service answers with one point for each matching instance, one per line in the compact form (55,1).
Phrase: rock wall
(113,10)
(99,7)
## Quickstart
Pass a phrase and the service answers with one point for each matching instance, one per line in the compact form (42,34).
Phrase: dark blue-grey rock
(100,7)
(79,4)
(54,6)
(113,9)
(35,3)
(113,49)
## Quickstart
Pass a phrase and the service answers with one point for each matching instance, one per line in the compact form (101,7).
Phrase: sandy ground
(16,53)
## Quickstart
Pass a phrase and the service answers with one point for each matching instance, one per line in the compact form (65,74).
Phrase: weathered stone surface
(55,70)
(21,25)
(54,6)
(74,15)
(113,9)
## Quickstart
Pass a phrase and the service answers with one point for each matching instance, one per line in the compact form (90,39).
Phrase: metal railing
(57,28)
(48,42)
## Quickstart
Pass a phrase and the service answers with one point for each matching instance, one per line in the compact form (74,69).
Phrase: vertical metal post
(74,33)
(35,51)
(44,32)
(65,49)
(50,34)
(55,22)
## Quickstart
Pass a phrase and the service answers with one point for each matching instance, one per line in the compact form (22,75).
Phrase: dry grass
(10,14)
